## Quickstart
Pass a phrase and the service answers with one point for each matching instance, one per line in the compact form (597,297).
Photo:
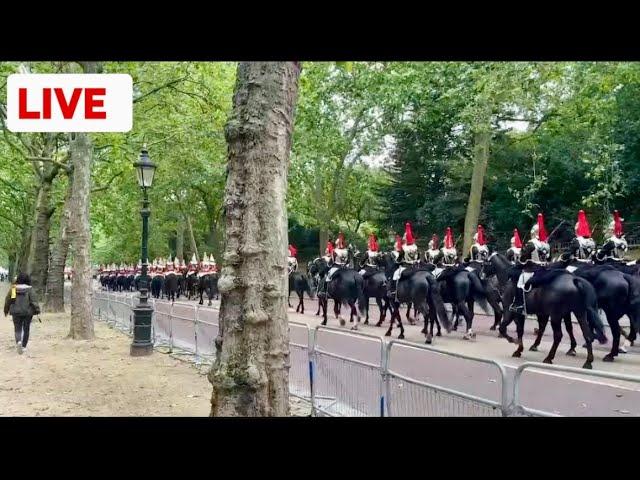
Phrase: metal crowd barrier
(332,380)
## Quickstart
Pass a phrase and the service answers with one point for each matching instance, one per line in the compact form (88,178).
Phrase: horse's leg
(352,304)
(542,324)
(324,308)
(395,312)
(301,295)
(336,311)
(614,323)
(409,319)
(497,309)
(468,317)
(588,336)
(519,319)
(455,315)
(556,324)
(568,325)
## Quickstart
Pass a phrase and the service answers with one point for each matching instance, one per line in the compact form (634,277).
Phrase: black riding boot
(518,302)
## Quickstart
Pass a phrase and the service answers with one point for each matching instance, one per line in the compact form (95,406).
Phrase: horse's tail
(478,291)
(438,303)
(590,298)
(307,286)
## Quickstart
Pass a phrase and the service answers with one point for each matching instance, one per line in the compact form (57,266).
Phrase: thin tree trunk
(23,254)
(39,251)
(250,376)
(192,238)
(482,141)
(180,239)
(79,230)
(214,239)
(54,297)
(324,238)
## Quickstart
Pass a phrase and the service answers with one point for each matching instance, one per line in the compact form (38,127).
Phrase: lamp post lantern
(142,343)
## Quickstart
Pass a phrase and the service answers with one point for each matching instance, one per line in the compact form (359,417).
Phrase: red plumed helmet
(448,238)
(617,224)
(481,239)
(516,238)
(373,244)
(292,251)
(542,232)
(582,227)
(329,247)
(340,242)
(408,234)
(398,243)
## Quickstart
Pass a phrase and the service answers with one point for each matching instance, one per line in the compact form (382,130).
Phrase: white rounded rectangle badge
(70,102)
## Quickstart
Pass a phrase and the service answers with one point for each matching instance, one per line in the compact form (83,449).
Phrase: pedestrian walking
(22,305)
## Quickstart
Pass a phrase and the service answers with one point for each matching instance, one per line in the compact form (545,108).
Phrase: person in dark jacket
(22,305)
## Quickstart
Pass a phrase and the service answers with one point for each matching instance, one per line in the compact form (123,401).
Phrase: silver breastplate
(342,256)
(587,247)
(541,252)
(371,258)
(410,253)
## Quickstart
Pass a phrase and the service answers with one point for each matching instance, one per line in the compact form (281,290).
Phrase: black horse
(617,295)
(498,267)
(299,283)
(416,286)
(157,283)
(556,294)
(346,287)
(170,287)
(208,283)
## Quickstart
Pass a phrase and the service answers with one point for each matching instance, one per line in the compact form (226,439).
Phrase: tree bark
(323,238)
(39,250)
(250,376)
(54,296)
(180,239)
(482,140)
(79,230)
(23,254)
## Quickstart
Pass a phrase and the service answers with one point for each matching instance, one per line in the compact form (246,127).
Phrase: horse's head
(318,267)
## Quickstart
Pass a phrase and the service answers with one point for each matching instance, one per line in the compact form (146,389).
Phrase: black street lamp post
(142,342)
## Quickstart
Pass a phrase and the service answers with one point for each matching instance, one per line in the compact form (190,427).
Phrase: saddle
(543,277)
(369,271)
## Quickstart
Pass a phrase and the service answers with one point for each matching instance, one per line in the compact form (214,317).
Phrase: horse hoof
(607,358)
(571,352)
(455,329)
(547,361)
(401,336)
(493,327)
(355,327)
(533,348)
(588,366)
(516,354)
(366,322)
(388,334)
(378,324)
(342,322)
(439,334)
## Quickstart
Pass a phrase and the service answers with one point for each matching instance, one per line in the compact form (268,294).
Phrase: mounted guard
(582,247)
(432,254)
(371,256)
(513,254)
(449,252)
(340,257)
(408,257)
(615,245)
(292,261)
(535,254)
(479,251)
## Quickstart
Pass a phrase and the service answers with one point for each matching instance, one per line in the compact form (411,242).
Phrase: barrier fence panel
(183,333)
(424,381)
(581,392)
(343,385)
(206,331)
(161,323)
(299,360)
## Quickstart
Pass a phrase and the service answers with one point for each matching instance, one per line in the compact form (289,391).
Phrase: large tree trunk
(80,233)
(54,297)
(482,139)
(250,376)
(180,239)
(79,230)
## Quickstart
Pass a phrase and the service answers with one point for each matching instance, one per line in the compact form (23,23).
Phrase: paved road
(561,393)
